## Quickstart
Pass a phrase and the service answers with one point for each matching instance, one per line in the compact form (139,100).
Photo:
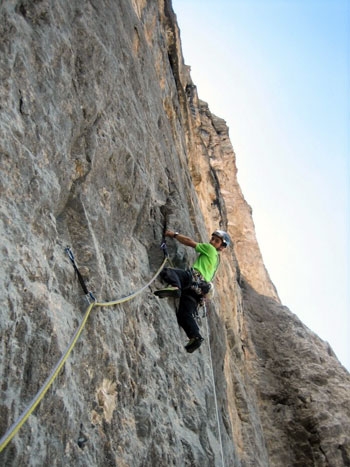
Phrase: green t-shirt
(207,261)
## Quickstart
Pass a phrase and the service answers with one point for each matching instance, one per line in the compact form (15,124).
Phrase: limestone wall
(103,142)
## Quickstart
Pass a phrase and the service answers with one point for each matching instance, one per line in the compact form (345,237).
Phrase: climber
(192,285)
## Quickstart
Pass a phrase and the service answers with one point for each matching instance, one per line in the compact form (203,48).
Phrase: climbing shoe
(168,292)
(194,343)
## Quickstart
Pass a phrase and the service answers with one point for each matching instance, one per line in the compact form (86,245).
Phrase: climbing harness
(7,437)
(199,285)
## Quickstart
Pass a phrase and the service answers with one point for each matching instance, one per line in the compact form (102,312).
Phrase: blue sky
(278,72)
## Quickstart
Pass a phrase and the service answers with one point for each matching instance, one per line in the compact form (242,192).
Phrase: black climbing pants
(188,301)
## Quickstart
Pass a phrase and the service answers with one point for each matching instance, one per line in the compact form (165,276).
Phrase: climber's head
(220,239)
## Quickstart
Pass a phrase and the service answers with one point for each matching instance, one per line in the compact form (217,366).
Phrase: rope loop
(7,437)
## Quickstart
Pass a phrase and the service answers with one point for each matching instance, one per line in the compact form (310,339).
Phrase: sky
(278,72)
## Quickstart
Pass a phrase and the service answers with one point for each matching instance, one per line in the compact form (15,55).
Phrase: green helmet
(226,240)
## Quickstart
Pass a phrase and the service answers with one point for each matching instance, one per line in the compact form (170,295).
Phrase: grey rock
(103,142)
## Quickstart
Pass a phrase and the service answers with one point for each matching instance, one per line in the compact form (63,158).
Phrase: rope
(214,390)
(35,401)
(133,295)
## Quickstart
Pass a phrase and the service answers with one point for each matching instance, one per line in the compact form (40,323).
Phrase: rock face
(104,142)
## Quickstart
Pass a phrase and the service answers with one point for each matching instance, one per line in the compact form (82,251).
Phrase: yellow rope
(133,295)
(31,407)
